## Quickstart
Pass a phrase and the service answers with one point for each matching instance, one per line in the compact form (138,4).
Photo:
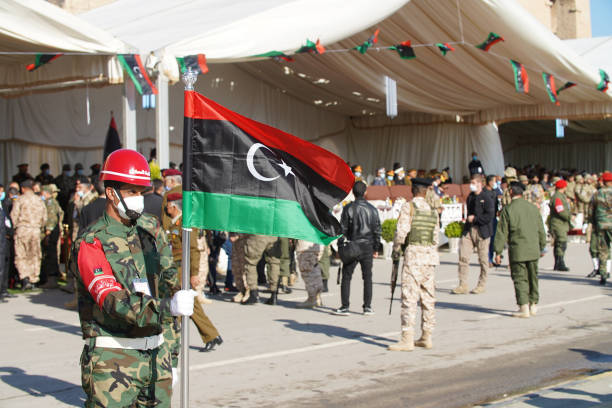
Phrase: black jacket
(360,223)
(482,207)
(153,205)
(91,212)
(475,167)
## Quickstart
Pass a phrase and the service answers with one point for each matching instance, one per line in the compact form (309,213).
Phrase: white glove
(175,377)
(182,303)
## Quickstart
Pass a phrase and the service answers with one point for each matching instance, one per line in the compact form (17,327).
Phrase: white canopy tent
(336,99)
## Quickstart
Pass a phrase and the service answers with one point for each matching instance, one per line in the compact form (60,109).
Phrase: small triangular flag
(315,48)
(197,63)
(276,55)
(444,48)
(42,59)
(605,80)
(491,40)
(521,79)
(404,50)
(549,82)
(567,85)
(363,48)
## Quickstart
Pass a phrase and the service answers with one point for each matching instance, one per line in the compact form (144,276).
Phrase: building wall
(566,18)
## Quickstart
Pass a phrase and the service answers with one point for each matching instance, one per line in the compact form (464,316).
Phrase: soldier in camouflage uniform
(535,192)
(602,217)
(584,194)
(570,192)
(207,330)
(418,222)
(308,255)
(129,296)
(50,267)
(29,216)
(256,247)
(560,216)
(238,266)
(510,175)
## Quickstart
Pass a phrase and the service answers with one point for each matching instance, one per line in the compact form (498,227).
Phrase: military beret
(78,166)
(23,165)
(44,166)
(421,181)
(607,176)
(561,184)
(523,177)
(510,172)
(66,167)
(174,196)
(50,188)
(172,172)
(95,166)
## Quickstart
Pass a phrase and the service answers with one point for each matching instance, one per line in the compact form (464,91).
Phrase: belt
(142,343)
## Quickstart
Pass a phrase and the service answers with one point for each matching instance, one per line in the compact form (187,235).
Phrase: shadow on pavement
(51,297)
(470,308)
(537,400)
(565,278)
(594,356)
(50,324)
(42,386)
(335,331)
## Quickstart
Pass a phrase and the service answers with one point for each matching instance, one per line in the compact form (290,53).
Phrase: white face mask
(134,203)
(473,188)
(80,193)
(357,174)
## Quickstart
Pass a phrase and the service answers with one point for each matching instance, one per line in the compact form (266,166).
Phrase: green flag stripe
(127,67)
(255,215)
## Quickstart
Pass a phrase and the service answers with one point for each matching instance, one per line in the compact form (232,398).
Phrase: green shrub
(454,230)
(388,229)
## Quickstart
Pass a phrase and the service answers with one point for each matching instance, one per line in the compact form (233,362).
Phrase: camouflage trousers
(238,264)
(604,240)
(118,378)
(311,271)
(28,253)
(418,283)
(256,247)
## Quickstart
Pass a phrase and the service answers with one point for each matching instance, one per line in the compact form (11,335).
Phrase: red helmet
(127,166)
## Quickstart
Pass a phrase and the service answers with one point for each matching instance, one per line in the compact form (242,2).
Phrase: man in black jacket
(360,224)
(477,233)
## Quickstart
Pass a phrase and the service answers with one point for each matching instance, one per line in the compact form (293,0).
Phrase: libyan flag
(112,141)
(244,176)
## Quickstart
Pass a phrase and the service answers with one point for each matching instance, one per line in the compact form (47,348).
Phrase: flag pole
(189,78)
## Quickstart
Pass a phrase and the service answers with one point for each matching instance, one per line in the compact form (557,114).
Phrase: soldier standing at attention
(29,216)
(560,215)
(129,295)
(50,267)
(308,255)
(208,332)
(602,226)
(521,226)
(256,247)
(238,266)
(419,223)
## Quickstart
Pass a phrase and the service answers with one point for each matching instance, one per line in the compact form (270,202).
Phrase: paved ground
(283,355)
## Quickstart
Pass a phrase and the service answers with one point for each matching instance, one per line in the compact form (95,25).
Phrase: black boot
(210,346)
(562,267)
(252,299)
(26,285)
(273,298)
(325,288)
(556,263)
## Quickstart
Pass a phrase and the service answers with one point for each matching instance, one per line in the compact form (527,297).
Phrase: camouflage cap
(579,177)
(50,188)
(554,180)
(589,177)
(510,172)
(523,177)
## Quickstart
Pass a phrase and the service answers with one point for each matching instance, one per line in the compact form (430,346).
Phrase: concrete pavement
(283,355)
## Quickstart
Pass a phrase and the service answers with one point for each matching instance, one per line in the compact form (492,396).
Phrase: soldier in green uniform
(560,215)
(128,295)
(256,247)
(520,225)
(285,264)
(49,270)
(208,332)
(325,264)
(602,217)
(594,244)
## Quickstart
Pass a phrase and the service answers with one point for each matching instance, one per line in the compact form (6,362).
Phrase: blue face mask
(2,195)
(80,172)
(474,157)
(67,173)
(390,177)
(42,197)
(47,171)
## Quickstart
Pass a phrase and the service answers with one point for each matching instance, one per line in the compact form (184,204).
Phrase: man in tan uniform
(308,255)
(419,223)
(238,266)
(29,216)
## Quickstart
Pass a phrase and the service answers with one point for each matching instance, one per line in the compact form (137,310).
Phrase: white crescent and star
(251,165)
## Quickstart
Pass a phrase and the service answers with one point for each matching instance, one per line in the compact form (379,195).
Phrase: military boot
(252,299)
(461,289)
(523,312)
(26,285)
(478,289)
(309,303)
(319,301)
(425,340)
(562,267)
(325,287)
(239,297)
(533,309)
(50,284)
(285,285)
(273,298)
(595,268)
(406,342)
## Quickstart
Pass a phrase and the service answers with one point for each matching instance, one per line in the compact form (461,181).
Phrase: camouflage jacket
(55,214)
(416,254)
(602,209)
(137,252)
(29,211)
(584,193)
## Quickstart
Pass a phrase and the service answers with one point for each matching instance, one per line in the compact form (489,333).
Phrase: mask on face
(390,177)
(473,188)
(42,197)
(80,193)
(80,172)
(2,195)
(166,188)
(130,208)
(357,174)
(474,157)
(46,172)
(67,173)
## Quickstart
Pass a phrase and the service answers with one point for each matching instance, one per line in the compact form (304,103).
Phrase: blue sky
(601,18)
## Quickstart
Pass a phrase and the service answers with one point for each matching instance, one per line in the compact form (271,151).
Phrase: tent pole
(129,115)
(162,122)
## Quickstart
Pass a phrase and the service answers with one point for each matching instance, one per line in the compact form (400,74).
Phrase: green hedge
(388,229)
(454,230)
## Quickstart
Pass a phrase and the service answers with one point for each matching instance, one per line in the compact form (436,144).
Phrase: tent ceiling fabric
(36,26)
(466,82)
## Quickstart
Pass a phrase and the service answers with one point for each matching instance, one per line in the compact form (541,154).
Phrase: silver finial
(189,78)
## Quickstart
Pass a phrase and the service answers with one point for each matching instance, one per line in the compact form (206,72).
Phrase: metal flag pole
(189,78)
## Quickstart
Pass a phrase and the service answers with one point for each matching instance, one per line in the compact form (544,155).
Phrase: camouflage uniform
(55,215)
(433,200)
(238,264)
(419,222)
(325,263)
(255,247)
(602,217)
(205,327)
(121,377)
(308,255)
(29,216)
(584,195)
(570,192)
(535,193)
